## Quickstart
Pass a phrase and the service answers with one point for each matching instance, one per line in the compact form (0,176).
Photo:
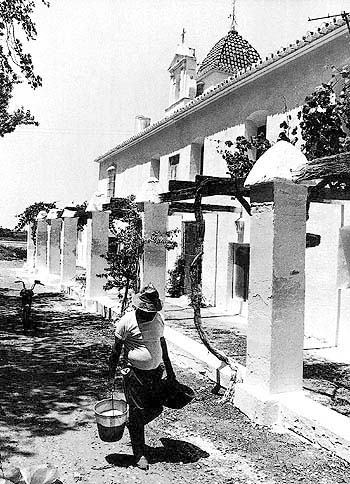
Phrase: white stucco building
(231,93)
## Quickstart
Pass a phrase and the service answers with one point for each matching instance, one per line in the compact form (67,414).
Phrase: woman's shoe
(142,463)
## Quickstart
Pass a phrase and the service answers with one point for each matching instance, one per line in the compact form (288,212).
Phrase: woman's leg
(137,436)
(136,425)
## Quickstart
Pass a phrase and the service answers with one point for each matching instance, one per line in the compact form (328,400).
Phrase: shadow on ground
(48,377)
(172,451)
(328,383)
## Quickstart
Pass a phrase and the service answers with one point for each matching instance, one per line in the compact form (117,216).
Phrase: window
(200,88)
(155,168)
(173,165)
(240,281)
(111,181)
(255,127)
(196,160)
(177,86)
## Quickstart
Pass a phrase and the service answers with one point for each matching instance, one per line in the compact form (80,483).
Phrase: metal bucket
(111,416)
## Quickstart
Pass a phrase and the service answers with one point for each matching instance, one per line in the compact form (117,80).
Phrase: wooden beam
(177,195)
(180,184)
(214,186)
(328,195)
(189,208)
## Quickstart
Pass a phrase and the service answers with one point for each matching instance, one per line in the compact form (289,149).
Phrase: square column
(155,219)
(54,247)
(97,247)
(41,247)
(343,283)
(30,248)
(276,304)
(68,249)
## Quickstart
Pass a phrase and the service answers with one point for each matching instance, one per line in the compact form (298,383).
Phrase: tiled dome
(230,54)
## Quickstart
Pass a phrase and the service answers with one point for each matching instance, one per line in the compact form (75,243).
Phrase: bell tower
(182,72)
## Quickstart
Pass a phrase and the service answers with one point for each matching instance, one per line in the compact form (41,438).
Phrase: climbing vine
(29,216)
(238,156)
(321,123)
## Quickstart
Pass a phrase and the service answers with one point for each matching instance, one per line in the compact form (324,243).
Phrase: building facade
(236,93)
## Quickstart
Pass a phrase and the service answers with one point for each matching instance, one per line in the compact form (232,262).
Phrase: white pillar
(343,283)
(276,298)
(155,219)
(30,248)
(97,246)
(41,246)
(54,247)
(210,256)
(68,249)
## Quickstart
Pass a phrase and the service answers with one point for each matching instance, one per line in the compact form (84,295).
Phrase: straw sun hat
(147,299)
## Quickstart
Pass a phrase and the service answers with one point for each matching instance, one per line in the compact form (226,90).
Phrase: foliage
(16,65)
(238,162)
(125,251)
(176,280)
(261,144)
(321,123)
(343,99)
(38,474)
(11,234)
(288,133)
(9,121)
(12,253)
(82,215)
(323,120)
(168,239)
(29,215)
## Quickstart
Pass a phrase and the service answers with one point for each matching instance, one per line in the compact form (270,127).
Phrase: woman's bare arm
(167,363)
(114,357)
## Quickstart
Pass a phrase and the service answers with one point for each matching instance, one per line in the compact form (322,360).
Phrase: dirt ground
(51,379)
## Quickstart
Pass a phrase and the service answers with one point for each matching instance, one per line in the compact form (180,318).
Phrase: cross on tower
(233,15)
(183,35)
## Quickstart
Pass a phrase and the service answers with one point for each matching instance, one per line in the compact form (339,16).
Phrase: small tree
(176,281)
(125,251)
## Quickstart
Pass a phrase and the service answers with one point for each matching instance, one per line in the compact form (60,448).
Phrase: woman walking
(140,333)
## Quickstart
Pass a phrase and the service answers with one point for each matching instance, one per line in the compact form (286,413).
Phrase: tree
(126,249)
(16,65)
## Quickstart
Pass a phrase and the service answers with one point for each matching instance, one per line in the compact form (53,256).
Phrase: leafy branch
(16,65)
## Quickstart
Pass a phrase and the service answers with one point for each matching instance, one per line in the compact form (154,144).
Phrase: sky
(105,61)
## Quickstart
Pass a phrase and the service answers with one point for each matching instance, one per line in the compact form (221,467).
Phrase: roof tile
(229,54)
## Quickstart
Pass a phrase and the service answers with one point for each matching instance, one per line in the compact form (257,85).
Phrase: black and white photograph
(174,241)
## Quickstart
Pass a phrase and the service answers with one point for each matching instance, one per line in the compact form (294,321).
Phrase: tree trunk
(125,298)
(196,285)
